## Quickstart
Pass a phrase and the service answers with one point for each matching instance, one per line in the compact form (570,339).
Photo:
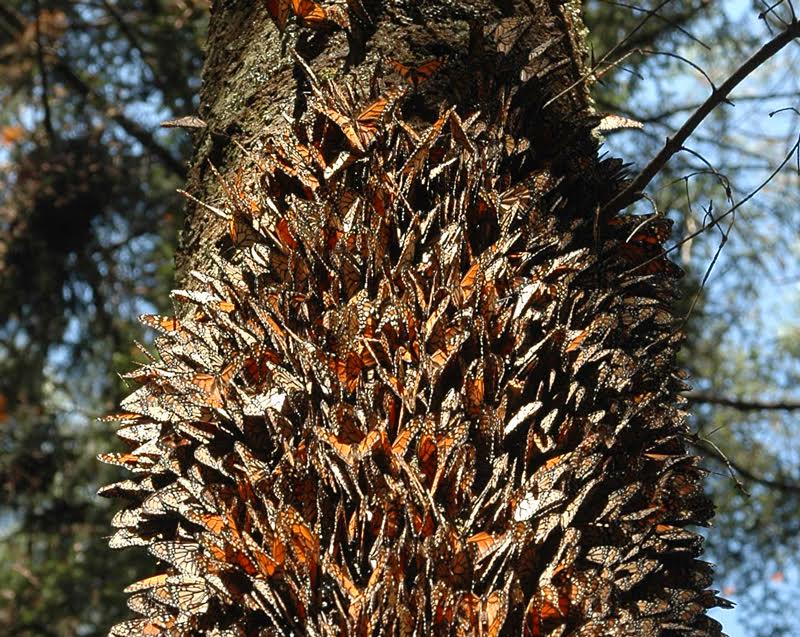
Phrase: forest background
(90,216)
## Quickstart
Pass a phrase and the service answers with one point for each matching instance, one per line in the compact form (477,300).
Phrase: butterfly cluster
(421,393)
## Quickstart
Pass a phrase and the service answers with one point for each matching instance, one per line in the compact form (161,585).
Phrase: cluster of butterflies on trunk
(416,394)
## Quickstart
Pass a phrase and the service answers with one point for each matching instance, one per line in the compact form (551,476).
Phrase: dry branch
(719,95)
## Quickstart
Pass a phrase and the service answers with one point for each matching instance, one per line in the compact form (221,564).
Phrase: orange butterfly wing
(369,118)
(345,125)
(164,324)
(309,12)
(419,74)
(495,607)
(279,12)
(428,455)
(484,543)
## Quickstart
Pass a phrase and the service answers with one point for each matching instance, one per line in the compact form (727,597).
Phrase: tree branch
(48,119)
(659,117)
(713,452)
(742,405)
(648,38)
(631,192)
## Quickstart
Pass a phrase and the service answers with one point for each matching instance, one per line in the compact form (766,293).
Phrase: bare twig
(686,60)
(742,405)
(48,120)
(661,116)
(675,23)
(715,221)
(606,56)
(674,144)
(713,451)
(725,234)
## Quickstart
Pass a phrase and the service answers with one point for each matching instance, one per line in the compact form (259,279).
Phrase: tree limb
(711,451)
(48,119)
(742,405)
(673,144)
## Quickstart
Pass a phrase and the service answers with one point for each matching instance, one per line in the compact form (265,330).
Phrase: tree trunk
(418,384)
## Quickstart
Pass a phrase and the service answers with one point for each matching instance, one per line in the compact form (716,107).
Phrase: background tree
(88,218)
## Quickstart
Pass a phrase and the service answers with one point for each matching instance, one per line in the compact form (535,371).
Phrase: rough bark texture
(418,384)
(250,78)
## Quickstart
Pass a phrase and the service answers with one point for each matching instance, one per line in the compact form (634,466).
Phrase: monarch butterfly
(611,122)
(647,229)
(348,429)
(643,259)
(184,556)
(266,565)
(484,544)
(241,231)
(458,130)
(213,522)
(423,523)
(347,370)
(310,13)
(352,451)
(279,11)
(215,386)
(127,489)
(125,538)
(188,594)
(360,129)
(540,617)
(229,552)
(443,603)
(140,432)
(123,418)
(494,609)
(303,542)
(126,517)
(467,284)
(351,277)
(416,75)
(417,159)
(150,627)
(164,324)
(403,439)
(147,583)
(143,604)
(509,31)
(633,573)
(469,609)
(132,461)
(344,581)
